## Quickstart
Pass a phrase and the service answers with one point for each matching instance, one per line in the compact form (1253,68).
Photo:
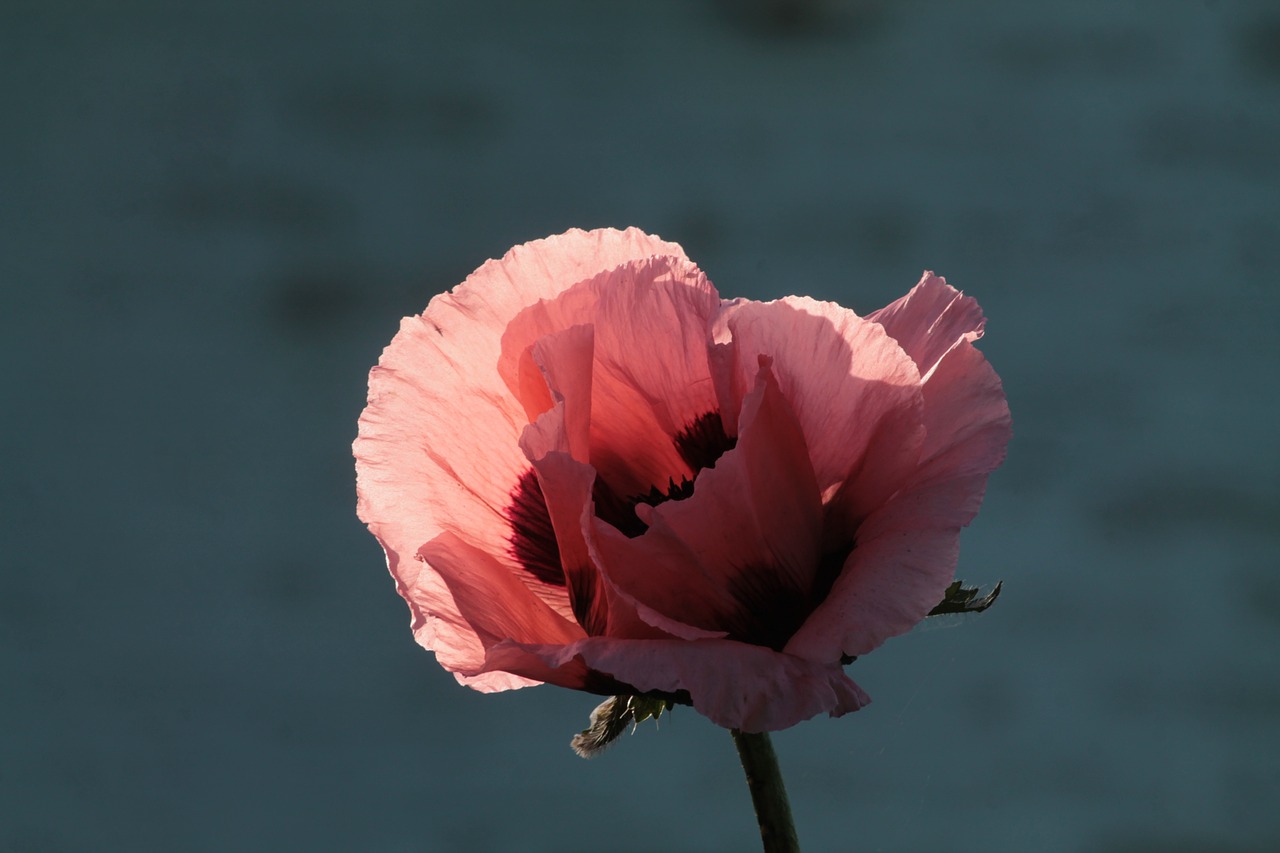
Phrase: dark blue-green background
(212,217)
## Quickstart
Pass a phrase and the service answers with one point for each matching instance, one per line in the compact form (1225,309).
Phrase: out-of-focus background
(212,217)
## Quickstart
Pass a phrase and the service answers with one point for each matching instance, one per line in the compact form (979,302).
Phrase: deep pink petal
(855,392)
(734,685)
(740,555)
(905,556)
(760,501)
(492,605)
(566,487)
(906,552)
(685,601)
(652,380)
(495,604)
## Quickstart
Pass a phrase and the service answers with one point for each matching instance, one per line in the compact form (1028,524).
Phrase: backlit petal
(855,392)
(734,685)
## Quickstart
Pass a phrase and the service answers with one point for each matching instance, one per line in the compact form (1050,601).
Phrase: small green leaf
(964,599)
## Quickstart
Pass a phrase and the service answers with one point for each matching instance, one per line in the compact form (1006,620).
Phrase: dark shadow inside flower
(533,539)
(740,553)
(699,444)
(770,610)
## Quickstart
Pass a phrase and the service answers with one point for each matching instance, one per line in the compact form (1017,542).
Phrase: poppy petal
(854,391)
(492,605)
(437,448)
(744,544)
(735,685)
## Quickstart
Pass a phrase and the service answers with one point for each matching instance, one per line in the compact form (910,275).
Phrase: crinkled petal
(438,447)
(547,280)
(931,319)
(436,451)
(734,685)
(650,377)
(966,414)
(855,392)
(906,552)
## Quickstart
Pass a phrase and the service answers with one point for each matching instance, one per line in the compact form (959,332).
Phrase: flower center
(533,539)
(699,444)
(770,609)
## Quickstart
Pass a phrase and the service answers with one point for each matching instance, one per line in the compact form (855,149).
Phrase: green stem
(768,794)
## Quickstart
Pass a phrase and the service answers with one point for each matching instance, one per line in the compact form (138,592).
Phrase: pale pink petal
(931,319)
(565,362)
(544,318)
(652,380)
(854,391)
(437,624)
(438,442)
(562,670)
(745,544)
(966,416)
(735,685)
(543,278)
(437,446)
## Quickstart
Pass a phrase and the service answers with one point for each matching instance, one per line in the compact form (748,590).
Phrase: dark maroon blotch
(770,610)
(533,539)
(699,444)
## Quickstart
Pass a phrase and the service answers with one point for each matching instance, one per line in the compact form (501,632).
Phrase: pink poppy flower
(587,469)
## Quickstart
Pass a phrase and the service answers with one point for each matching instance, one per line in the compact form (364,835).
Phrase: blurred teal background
(212,217)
